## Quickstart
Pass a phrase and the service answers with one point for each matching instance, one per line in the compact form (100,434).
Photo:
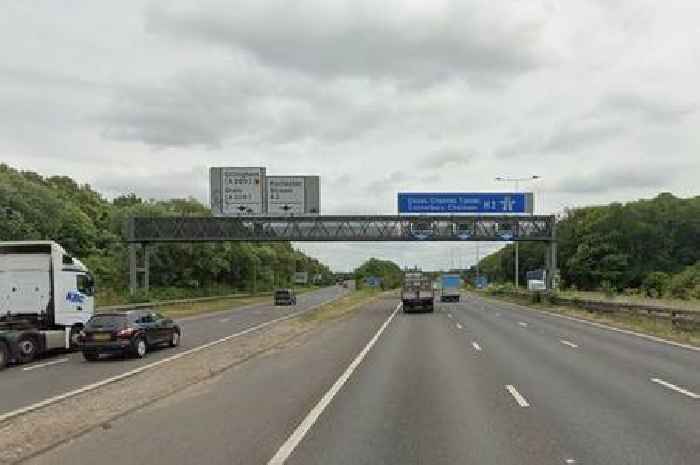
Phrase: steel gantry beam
(326,228)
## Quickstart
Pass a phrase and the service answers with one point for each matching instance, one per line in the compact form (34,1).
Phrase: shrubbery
(649,245)
(686,284)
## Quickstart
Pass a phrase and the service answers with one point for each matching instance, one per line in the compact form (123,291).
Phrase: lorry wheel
(91,356)
(4,355)
(27,349)
(74,335)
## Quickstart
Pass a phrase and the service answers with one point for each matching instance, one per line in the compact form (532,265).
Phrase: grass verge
(653,326)
(340,307)
(182,310)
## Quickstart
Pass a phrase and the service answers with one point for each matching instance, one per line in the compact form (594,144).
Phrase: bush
(686,284)
(656,283)
(501,289)
(608,289)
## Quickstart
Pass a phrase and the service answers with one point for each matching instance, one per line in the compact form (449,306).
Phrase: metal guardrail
(680,318)
(165,303)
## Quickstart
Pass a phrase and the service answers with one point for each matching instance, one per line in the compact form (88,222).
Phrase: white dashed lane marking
(570,344)
(673,387)
(517,396)
(43,365)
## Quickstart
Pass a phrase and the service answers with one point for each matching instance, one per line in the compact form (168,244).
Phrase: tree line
(91,227)
(651,245)
(389,272)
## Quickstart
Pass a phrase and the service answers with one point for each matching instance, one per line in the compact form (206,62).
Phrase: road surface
(23,385)
(474,383)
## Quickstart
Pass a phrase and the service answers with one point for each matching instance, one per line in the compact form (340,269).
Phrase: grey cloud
(616,178)
(652,109)
(448,158)
(168,184)
(31,77)
(568,137)
(610,118)
(246,103)
(363,39)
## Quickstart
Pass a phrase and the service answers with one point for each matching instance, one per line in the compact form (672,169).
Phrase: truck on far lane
(449,287)
(46,297)
(417,292)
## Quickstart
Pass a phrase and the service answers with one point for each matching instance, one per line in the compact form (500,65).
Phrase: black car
(130,333)
(285,297)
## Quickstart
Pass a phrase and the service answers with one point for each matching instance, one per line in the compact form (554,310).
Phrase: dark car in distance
(285,297)
(132,333)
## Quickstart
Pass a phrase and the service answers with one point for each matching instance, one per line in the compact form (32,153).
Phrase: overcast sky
(599,97)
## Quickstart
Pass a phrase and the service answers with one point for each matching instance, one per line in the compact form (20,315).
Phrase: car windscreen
(282,294)
(107,321)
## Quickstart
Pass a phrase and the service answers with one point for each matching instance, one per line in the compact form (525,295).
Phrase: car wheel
(91,356)
(74,335)
(140,347)
(4,356)
(28,349)
(174,339)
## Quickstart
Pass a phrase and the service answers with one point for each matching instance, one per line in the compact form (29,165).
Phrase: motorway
(477,382)
(24,385)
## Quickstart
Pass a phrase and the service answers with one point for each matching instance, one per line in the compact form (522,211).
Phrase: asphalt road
(24,385)
(474,383)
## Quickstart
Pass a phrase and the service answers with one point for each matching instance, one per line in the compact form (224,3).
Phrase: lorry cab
(40,281)
(46,297)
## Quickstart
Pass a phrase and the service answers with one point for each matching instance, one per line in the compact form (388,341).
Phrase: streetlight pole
(517,180)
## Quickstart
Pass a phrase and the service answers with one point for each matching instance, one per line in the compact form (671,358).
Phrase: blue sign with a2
(479,202)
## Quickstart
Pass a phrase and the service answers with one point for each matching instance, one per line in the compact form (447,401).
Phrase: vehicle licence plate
(102,337)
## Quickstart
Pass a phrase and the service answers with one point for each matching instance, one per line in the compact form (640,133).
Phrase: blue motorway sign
(460,202)
(481,282)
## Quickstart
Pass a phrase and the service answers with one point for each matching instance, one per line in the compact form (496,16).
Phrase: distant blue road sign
(459,202)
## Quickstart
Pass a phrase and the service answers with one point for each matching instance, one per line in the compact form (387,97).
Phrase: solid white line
(570,344)
(42,365)
(523,324)
(476,346)
(690,394)
(570,461)
(298,435)
(518,397)
(459,326)
(225,320)
(141,369)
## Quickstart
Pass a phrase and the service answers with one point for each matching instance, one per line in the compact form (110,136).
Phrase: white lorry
(417,292)
(46,297)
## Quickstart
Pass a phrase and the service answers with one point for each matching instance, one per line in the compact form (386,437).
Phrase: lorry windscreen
(107,321)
